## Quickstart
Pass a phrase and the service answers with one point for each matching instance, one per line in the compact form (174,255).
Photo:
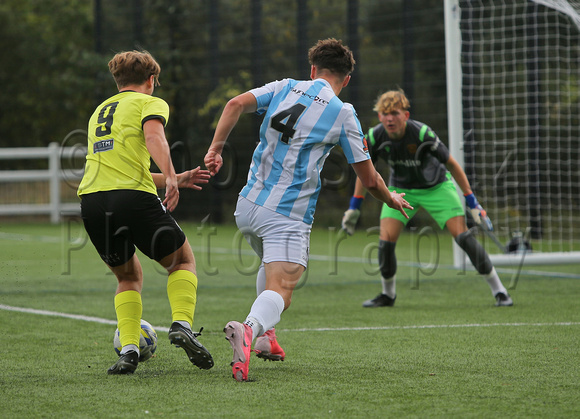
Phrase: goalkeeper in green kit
(421,167)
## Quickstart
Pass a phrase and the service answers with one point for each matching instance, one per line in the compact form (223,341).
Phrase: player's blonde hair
(392,100)
(134,67)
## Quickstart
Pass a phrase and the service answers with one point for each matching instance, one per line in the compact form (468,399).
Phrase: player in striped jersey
(419,162)
(303,121)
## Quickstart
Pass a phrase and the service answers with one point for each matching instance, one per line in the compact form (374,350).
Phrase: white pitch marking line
(430,326)
(321,329)
(69,316)
(57,314)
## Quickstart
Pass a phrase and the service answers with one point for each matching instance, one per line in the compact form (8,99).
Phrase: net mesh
(521,111)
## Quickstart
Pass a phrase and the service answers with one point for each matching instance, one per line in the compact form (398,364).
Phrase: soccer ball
(147,342)
(518,243)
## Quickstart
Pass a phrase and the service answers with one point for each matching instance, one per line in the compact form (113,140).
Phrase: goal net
(514,103)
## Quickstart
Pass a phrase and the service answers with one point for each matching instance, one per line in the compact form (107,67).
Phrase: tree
(48,70)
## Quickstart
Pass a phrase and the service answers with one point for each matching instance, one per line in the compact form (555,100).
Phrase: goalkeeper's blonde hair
(392,100)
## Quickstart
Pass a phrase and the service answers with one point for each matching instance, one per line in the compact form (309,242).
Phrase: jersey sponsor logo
(314,98)
(406,163)
(103,145)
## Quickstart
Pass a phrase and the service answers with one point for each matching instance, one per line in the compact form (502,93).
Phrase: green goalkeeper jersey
(417,160)
(117,156)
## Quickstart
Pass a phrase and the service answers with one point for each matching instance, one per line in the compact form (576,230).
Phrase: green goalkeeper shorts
(441,202)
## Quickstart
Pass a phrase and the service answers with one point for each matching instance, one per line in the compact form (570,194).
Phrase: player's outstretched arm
(159,150)
(190,179)
(374,183)
(477,211)
(244,103)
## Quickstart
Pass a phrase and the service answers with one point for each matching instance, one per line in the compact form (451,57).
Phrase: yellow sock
(129,309)
(182,294)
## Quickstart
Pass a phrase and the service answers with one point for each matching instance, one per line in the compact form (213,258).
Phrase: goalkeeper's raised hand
(478,213)
(351,215)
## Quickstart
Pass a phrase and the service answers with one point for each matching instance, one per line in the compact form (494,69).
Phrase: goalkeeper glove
(478,213)
(351,215)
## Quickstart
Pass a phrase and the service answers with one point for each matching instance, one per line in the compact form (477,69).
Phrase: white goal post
(513,99)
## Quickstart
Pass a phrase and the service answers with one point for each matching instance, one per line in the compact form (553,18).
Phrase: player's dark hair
(332,55)
(133,67)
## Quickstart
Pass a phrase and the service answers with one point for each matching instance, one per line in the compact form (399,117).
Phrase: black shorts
(117,221)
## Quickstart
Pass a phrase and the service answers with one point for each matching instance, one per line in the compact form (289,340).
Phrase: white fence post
(54,175)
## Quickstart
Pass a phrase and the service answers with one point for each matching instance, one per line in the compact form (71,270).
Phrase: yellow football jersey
(117,156)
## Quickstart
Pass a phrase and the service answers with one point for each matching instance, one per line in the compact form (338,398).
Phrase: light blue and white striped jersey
(304,120)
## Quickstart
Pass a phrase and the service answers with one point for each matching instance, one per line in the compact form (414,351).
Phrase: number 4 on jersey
(285,121)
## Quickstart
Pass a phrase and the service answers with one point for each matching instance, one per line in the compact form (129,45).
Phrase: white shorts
(274,237)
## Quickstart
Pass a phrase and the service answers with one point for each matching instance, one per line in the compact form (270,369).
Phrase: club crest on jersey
(103,145)
(412,148)
(365,145)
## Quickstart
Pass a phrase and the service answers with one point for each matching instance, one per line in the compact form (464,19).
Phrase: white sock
(128,348)
(261,280)
(257,328)
(265,312)
(494,282)
(389,286)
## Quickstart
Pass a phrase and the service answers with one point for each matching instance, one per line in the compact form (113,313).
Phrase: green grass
(442,351)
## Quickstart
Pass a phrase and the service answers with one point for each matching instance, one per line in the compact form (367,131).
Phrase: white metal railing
(54,175)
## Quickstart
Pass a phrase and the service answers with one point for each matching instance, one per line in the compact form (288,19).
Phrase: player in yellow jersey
(121,209)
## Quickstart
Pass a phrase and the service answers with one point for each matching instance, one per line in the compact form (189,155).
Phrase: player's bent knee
(387,259)
(181,259)
(475,251)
